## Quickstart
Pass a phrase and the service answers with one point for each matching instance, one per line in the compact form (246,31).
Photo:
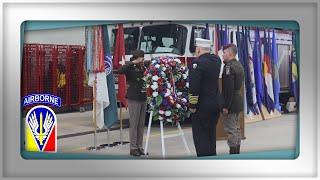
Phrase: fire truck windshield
(168,38)
(131,38)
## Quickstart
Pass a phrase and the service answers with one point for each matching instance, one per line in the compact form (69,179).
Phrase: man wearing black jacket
(204,98)
(137,100)
(232,81)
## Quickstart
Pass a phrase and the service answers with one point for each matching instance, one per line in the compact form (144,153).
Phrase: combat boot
(233,150)
(238,149)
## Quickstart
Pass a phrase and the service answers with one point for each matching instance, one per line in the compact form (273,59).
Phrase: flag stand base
(114,144)
(93,148)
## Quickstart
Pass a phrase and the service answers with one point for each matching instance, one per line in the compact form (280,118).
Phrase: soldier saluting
(204,98)
(232,81)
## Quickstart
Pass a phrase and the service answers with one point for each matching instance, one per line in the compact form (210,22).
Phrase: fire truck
(160,39)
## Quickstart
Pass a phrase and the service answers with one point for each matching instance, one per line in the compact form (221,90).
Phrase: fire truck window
(196,32)
(131,38)
(169,38)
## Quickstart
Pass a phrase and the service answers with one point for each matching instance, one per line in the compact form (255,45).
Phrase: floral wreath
(166,84)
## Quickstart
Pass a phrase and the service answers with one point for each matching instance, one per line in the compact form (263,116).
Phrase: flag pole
(108,137)
(121,140)
(95,110)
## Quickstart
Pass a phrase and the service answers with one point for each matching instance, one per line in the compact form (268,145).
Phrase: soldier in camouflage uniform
(232,81)
(205,98)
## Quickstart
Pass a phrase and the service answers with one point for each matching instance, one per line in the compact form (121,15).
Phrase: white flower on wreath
(178,106)
(184,76)
(164,68)
(177,60)
(161,112)
(157,66)
(154,86)
(184,100)
(187,85)
(148,85)
(167,113)
(155,83)
(155,78)
(155,94)
(169,120)
(163,74)
(168,85)
(168,92)
(179,93)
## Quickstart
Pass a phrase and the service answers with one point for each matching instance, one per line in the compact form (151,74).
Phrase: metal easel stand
(180,133)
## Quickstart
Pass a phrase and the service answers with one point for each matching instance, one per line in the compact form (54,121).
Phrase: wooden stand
(181,134)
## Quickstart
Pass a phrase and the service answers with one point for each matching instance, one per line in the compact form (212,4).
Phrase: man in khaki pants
(232,80)
(137,100)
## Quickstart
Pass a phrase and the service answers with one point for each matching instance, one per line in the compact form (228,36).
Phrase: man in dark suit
(204,98)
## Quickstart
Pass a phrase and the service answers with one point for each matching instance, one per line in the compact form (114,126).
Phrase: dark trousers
(204,132)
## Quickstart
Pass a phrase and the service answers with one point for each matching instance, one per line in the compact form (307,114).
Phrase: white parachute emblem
(34,125)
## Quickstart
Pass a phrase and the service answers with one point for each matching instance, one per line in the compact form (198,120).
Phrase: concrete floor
(273,134)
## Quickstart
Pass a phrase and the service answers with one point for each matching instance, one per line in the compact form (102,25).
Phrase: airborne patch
(41,130)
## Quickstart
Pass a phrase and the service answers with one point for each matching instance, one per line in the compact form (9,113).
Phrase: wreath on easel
(166,84)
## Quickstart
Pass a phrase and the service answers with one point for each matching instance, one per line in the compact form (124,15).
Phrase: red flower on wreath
(149,92)
(160,89)
(160,81)
(181,84)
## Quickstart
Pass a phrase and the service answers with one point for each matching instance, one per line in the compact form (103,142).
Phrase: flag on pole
(220,36)
(216,39)
(275,72)
(294,70)
(118,61)
(223,41)
(88,43)
(245,61)
(95,68)
(262,68)
(226,36)
(110,112)
(257,63)
(239,37)
(254,105)
(205,35)
(267,71)
(94,49)
(239,40)
(234,41)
